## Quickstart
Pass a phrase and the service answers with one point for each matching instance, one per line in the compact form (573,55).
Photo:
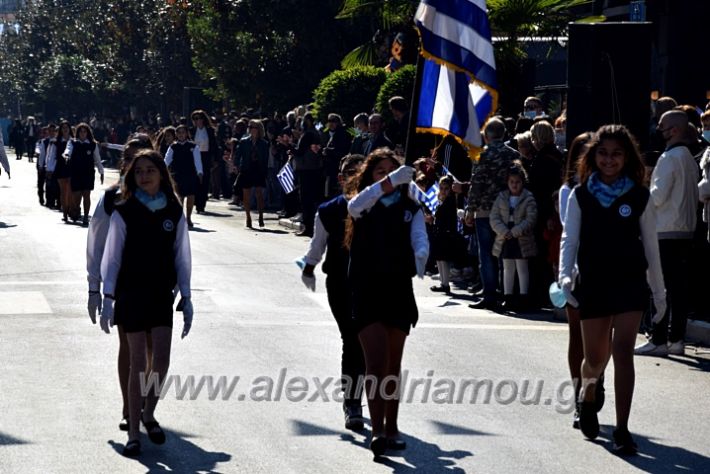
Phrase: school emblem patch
(625,210)
(407,216)
(168,225)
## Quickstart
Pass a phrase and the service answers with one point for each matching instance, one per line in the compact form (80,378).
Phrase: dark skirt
(389,301)
(511,250)
(447,246)
(253,177)
(603,299)
(186,184)
(141,311)
(83,181)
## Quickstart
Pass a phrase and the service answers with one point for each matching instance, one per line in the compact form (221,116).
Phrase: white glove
(420,258)
(402,175)
(566,284)
(661,306)
(309,280)
(107,315)
(94,305)
(187,312)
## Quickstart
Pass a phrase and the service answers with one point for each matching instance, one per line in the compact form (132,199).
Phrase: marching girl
(185,163)
(205,137)
(83,155)
(147,253)
(166,137)
(388,244)
(96,241)
(513,218)
(252,156)
(58,169)
(610,232)
(43,146)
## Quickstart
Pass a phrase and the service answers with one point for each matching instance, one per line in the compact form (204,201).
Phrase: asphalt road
(60,401)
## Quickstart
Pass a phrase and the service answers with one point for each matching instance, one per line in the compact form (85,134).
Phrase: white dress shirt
(202,139)
(97,155)
(196,157)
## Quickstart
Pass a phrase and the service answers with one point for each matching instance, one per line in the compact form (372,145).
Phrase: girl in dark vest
(205,137)
(58,169)
(388,245)
(610,232)
(252,157)
(96,241)
(166,137)
(147,253)
(185,163)
(83,155)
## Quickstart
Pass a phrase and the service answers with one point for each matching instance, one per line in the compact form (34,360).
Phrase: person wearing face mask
(674,192)
(561,133)
(532,108)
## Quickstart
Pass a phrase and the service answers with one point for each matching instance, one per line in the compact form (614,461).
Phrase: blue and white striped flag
(285,177)
(458,91)
(430,198)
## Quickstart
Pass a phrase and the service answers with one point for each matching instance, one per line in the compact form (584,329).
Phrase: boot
(510,303)
(261,219)
(249,221)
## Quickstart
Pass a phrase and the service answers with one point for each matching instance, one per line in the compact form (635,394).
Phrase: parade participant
(166,137)
(610,232)
(388,244)
(252,158)
(184,161)
(82,155)
(4,163)
(204,136)
(329,232)
(58,169)
(445,232)
(42,162)
(31,137)
(147,253)
(96,241)
(513,218)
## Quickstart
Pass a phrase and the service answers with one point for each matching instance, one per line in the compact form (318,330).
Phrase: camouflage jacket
(488,177)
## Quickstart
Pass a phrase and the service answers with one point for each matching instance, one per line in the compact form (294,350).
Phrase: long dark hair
(138,142)
(206,120)
(576,149)
(362,180)
(634,167)
(89,132)
(166,182)
(160,144)
(59,129)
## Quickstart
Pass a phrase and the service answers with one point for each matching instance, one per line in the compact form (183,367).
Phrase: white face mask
(706,135)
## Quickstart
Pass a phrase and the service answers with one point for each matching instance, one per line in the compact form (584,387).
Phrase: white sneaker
(676,348)
(651,349)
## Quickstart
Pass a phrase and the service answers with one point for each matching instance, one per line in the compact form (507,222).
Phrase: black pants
(52,192)
(311,190)
(41,178)
(675,259)
(204,186)
(352,360)
(31,142)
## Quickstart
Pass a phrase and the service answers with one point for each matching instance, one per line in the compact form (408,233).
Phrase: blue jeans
(487,263)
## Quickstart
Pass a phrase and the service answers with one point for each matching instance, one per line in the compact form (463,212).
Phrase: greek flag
(458,91)
(430,198)
(285,177)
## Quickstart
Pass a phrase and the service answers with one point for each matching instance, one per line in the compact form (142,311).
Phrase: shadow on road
(419,456)
(200,230)
(265,230)
(7,226)
(654,457)
(215,214)
(7,440)
(176,455)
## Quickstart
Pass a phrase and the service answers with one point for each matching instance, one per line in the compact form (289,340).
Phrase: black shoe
(85,221)
(441,289)
(575,419)
(624,444)
(510,303)
(588,422)
(484,304)
(353,417)
(155,432)
(123,424)
(599,393)
(378,446)
(132,448)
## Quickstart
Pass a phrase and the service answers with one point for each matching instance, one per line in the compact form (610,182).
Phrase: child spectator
(445,234)
(513,218)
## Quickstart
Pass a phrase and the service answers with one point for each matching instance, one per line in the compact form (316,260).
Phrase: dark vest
(610,247)
(333,215)
(148,262)
(183,163)
(110,199)
(61,168)
(381,247)
(81,161)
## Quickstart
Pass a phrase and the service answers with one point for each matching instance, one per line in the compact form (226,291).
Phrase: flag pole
(410,151)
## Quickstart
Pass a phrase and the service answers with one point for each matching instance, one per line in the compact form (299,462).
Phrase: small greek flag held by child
(430,198)
(285,177)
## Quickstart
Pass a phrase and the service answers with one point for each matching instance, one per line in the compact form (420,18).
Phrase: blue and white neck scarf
(153,203)
(606,194)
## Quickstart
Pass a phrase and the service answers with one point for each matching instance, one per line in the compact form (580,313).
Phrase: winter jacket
(524,218)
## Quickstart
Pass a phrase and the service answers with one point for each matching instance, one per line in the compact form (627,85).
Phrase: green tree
(348,92)
(399,83)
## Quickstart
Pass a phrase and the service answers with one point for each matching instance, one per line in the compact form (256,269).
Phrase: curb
(698,331)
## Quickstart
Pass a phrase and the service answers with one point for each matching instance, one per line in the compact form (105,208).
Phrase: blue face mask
(531,114)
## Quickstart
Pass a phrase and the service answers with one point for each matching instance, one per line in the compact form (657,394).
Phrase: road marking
(497,327)
(23,302)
